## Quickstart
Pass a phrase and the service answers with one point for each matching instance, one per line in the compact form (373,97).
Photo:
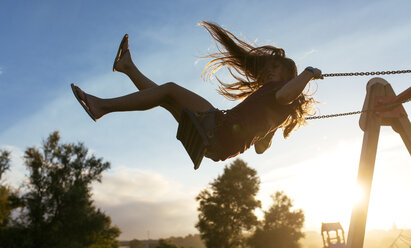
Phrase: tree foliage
(6,196)
(165,244)
(281,227)
(4,161)
(226,209)
(189,241)
(57,207)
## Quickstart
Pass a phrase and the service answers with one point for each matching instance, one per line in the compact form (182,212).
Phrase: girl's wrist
(310,69)
(315,72)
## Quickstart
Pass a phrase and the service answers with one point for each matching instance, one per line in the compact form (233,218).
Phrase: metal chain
(348,74)
(356,112)
(334,115)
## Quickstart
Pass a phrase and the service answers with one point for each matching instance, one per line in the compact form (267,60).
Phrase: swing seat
(192,135)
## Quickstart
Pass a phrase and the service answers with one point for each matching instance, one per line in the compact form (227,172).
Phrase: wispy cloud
(306,54)
(1,70)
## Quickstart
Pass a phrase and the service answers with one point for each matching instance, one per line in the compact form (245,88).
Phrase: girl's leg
(141,81)
(170,94)
(127,66)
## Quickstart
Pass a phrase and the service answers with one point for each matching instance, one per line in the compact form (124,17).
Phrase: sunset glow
(326,187)
(151,185)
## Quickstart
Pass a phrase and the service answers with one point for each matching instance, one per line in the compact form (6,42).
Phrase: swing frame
(379,92)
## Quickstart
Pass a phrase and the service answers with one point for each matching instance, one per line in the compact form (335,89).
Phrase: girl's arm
(290,91)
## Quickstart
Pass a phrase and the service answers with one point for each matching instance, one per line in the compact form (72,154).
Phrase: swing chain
(348,74)
(356,112)
(334,115)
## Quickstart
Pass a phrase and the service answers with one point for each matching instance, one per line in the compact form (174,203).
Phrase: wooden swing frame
(379,93)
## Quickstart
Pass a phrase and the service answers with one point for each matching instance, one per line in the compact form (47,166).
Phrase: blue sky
(46,45)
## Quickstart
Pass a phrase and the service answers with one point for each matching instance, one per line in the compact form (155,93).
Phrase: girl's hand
(317,74)
(293,88)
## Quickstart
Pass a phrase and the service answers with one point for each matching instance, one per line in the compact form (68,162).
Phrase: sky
(150,188)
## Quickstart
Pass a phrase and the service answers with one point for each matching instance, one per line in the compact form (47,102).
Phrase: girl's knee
(171,86)
(172,89)
(169,91)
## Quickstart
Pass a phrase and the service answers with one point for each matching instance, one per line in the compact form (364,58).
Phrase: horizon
(151,184)
(373,238)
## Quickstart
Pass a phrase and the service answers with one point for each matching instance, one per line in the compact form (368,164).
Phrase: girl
(267,81)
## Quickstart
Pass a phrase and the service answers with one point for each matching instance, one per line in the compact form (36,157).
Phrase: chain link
(349,74)
(356,112)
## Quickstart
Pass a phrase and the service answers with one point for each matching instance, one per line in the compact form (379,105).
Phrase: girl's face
(275,72)
(279,70)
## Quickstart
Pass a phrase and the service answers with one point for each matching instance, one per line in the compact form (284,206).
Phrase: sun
(325,186)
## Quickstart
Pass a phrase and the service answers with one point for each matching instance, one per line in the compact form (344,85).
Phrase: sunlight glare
(357,193)
(325,186)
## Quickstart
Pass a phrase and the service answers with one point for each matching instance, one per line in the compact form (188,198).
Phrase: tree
(9,199)
(135,243)
(5,203)
(226,209)
(57,207)
(4,162)
(189,241)
(281,227)
(164,244)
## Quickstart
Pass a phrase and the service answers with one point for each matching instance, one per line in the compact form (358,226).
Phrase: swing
(194,138)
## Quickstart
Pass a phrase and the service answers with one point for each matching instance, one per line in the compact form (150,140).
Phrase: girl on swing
(267,81)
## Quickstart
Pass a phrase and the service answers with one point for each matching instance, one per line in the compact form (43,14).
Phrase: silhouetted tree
(4,161)
(165,244)
(189,241)
(135,243)
(226,209)
(5,203)
(58,210)
(9,201)
(281,227)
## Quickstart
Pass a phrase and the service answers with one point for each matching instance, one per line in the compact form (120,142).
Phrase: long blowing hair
(250,66)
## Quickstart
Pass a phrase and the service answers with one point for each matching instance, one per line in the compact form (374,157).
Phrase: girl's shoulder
(271,86)
(275,84)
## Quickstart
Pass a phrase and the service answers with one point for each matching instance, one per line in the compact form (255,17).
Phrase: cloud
(141,201)
(1,70)
(137,200)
